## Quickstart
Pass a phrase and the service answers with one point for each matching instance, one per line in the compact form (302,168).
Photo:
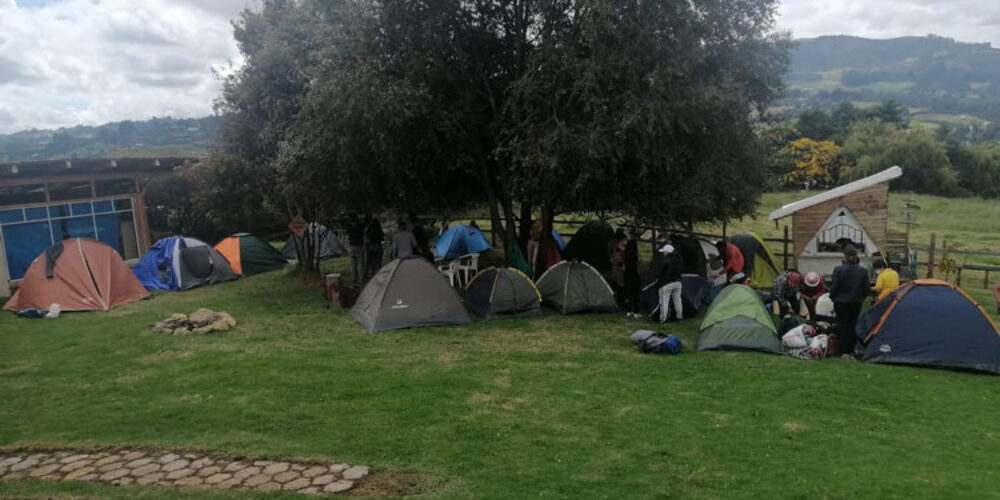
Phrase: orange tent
(87,276)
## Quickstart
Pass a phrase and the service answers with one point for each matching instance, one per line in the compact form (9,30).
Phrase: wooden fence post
(930,256)
(785,243)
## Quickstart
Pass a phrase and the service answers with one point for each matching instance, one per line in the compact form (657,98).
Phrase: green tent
(248,254)
(737,320)
(572,287)
(502,292)
(408,293)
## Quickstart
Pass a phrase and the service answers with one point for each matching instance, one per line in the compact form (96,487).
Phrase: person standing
(633,282)
(404,244)
(887,281)
(356,240)
(850,287)
(535,242)
(374,236)
(423,240)
(616,254)
(669,283)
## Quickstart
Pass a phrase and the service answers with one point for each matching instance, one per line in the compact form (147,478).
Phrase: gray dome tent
(572,287)
(502,292)
(324,241)
(408,293)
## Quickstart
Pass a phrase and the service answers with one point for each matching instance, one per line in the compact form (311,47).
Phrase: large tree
(640,107)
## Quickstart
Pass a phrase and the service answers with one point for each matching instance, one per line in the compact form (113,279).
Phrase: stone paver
(176,465)
(356,472)
(338,487)
(144,467)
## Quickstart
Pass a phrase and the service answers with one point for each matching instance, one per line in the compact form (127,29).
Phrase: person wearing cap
(669,282)
(887,281)
(812,289)
(850,287)
(786,291)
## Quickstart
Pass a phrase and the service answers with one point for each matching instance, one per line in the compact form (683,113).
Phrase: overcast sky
(67,62)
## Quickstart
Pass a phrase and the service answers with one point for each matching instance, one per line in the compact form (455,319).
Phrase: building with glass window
(44,202)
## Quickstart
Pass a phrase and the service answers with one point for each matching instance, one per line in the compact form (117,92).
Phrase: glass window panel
(125,204)
(101,207)
(77,227)
(15,215)
(22,243)
(115,186)
(82,209)
(16,195)
(37,213)
(130,245)
(70,190)
(109,231)
(59,211)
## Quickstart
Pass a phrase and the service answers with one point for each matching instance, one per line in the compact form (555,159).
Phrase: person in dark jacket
(423,240)
(374,236)
(356,239)
(633,282)
(849,289)
(669,283)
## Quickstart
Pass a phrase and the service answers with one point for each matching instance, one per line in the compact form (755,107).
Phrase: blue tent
(460,240)
(179,263)
(930,323)
(155,268)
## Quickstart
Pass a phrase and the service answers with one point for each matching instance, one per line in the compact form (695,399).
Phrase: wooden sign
(298,226)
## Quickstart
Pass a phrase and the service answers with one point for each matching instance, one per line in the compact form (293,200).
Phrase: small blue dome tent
(460,240)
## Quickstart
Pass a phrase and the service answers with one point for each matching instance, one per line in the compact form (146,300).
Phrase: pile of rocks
(200,322)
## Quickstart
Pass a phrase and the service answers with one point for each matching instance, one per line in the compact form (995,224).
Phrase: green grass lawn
(551,407)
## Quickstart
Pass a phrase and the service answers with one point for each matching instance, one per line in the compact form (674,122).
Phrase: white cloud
(964,20)
(69,62)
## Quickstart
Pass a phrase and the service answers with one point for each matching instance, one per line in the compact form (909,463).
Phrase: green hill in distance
(154,137)
(940,80)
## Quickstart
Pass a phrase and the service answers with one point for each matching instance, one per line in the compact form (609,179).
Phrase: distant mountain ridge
(154,137)
(934,76)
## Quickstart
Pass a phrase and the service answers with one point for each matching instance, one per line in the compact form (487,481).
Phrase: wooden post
(930,256)
(986,279)
(785,243)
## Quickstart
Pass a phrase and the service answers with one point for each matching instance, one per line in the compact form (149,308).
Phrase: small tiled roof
(853,187)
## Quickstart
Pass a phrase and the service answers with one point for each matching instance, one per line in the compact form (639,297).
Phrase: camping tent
(590,245)
(697,254)
(694,290)
(932,323)
(460,240)
(737,320)
(181,263)
(572,287)
(408,293)
(325,241)
(248,254)
(502,292)
(759,263)
(86,275)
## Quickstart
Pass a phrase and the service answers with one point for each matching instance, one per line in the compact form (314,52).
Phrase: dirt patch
(794,426)
(396,484)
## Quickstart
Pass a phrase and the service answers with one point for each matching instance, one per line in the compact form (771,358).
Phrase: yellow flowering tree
(809,160)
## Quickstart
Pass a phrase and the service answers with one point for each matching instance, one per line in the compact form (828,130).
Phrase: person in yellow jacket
(887,281)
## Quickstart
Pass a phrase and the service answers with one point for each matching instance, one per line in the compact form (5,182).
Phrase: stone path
(161,468)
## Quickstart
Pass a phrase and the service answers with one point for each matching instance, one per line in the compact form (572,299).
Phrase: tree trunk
(526,221)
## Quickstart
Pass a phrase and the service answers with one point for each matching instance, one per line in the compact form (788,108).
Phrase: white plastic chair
(450,269)
(468,264)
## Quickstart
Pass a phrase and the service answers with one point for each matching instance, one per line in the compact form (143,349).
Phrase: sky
(68,62)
